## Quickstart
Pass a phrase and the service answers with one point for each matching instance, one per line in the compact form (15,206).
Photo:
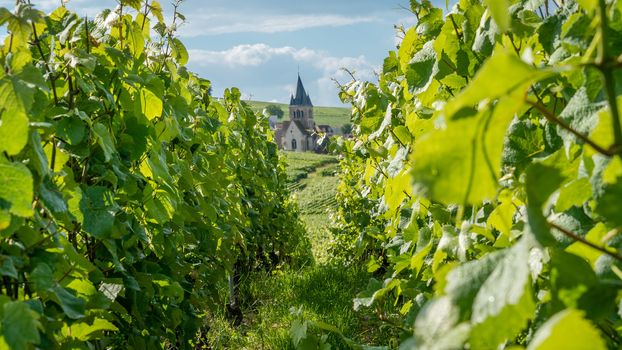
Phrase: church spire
(301,98)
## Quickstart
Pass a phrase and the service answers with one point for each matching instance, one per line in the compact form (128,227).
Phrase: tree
(274,110)
(346,129)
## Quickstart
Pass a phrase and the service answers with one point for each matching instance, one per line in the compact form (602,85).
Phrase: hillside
(333,116)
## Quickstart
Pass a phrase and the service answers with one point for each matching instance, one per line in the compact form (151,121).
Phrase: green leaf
(80,58)
(71,129)
(135,4)
(464,281)
(16,98)
(156,9)
(407,48)
(571,277)
(500,11)
(436,326)
(595,235)
(104,140)
(421,69)
(159,205)
(97,206)
(567,330)
(20,326)
(72,306)
(501,217)
(84,331)
(151,104)
(298,331)
(502,74)
(575,193)
(581,114)
(541,182)
(51,197)
(4,15)
(42,277)
(8,268)
(608,204)
(402,133)
(136,40)
(524,142)
(588,5)
(16,189)
(5,219)
(467,169)
(179,51)
(504,304)
(366,298)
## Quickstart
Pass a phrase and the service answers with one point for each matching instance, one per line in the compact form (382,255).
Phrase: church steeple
(302,98)
(301,108)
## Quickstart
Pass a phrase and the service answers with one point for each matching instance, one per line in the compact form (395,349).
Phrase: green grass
(300,164)
(323,291)
(333,116)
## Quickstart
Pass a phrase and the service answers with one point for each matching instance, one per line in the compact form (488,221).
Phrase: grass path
(323,291)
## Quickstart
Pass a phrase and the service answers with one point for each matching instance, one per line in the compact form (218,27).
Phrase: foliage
(483,184)
(346,129)
(273,109)
(126,192)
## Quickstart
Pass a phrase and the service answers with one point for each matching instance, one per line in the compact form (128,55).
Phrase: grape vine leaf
(567,330)
(16,189)
(83,331)
(502,74)
(104,140)
(16,98)
(504,304)
(97,208)
(20,325)
(499,9)
(71,305)
(151,104)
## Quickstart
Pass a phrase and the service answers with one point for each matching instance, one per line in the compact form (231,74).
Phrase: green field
(333,116)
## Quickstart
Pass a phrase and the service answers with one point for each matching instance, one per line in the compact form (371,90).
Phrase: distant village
(300,133)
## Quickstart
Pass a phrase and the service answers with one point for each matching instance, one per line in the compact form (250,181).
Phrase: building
(300,133)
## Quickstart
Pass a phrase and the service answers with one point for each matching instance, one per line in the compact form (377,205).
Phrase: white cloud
(199,24)
(240,55)
(330,67)
(252,55)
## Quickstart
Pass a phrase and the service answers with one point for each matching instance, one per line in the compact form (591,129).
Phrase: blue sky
(259,46)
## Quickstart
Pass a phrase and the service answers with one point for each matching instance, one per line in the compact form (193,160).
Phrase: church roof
(301,98)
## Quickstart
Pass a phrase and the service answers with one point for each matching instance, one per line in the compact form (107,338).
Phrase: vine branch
(578,238)
(609,80)
(556,120)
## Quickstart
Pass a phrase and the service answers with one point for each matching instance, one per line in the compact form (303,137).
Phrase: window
(293,143)
(302,114)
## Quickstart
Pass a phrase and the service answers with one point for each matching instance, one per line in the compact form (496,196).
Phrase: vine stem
(52,77)
(556,120)
(578,238)
(607,72)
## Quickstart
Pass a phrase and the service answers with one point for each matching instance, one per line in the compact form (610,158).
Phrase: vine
(127,193)
(483,183)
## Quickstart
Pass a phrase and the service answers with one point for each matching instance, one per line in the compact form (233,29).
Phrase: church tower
(301,108)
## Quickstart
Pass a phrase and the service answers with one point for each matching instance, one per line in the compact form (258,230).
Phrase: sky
(260,46)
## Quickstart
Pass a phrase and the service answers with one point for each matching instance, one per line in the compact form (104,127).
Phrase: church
(300,133)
